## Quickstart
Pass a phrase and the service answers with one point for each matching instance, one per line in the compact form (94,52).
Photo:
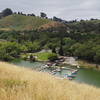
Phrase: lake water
(88,76)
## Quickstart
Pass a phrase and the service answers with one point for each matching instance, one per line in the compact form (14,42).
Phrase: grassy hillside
(86,26)
(21,22)
(24,84)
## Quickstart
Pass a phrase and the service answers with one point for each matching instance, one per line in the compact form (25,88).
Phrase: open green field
(41,56)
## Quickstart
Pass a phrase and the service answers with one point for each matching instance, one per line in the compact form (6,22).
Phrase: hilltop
(17,83)
(21,22)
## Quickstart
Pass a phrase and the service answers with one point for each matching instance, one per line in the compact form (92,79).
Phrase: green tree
(43,15)
(97,54)
(52,56)
(9,50)
(32,47)
(7,12)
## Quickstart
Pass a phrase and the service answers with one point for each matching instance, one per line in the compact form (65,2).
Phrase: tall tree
(7,12)
(43,15)
(61,47)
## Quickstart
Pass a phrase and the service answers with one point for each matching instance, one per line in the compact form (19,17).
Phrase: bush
(7,12)
(32,47)
(52,56)
(97,54)
(83,51)
(9,50)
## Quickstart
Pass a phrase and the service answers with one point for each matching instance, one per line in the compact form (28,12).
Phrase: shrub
(97,57)
(9,50)
(52,56)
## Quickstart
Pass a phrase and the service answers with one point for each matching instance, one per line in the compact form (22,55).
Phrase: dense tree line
(84,46)
(74,38)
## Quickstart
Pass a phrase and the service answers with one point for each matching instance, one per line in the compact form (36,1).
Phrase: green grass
(20,22)
(42,56)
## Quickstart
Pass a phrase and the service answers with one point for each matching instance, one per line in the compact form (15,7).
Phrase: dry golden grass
(24,84)
(53,24)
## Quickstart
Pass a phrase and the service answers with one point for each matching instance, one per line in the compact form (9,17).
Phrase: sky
(65,9)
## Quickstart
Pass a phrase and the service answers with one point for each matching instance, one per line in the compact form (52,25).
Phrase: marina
(88,76)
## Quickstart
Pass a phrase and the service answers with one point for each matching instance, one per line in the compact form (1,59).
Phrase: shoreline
(86,64)
(71,61)
(81,63)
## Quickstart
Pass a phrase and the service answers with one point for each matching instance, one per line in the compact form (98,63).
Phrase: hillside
(76,38)
(52,25)
(86,26)
(24,84)
(21,22)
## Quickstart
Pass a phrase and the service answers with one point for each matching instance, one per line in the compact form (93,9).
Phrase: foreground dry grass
(24,84)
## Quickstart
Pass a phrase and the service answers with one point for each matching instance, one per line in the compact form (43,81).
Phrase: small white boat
(78,66)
